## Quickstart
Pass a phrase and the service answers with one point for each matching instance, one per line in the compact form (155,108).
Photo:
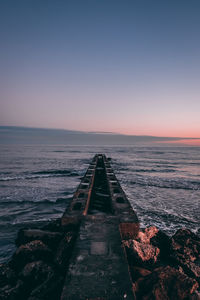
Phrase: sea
(39,176)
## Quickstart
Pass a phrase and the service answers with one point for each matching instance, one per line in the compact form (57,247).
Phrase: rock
(50,289)
(15,292)
(165,283)
(137,272)
(35,250)
(49,238)
(147,234)
(186,244)
(194,296)
(141,271)
(185,252)
(36,272)
(64,250)
(141,254)
(7,275)
(163,242)
(190,268)
(152,235)
(53,226)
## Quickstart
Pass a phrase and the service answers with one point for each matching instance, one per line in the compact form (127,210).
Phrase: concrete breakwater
(97,250)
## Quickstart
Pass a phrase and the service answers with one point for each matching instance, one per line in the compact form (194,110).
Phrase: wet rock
(185,252)
(142,272)
(141,254)
(64,250)
(70,223)
(194,296)
(186,244)
(147,234)
(7,275)
(35,250)
(190,268)
(10,292)
(54,226)
(165,283)
(163,242)
(152,235)
(50,289)
(36,272)
(138,272)
(49,238)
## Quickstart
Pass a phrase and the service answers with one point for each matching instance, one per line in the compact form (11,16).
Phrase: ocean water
(37,182)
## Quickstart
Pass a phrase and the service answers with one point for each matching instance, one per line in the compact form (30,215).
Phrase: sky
(130,67)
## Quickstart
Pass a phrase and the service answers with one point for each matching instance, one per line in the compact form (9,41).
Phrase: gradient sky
(123,66)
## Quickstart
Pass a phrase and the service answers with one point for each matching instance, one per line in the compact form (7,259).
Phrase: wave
(53,172)
(4,173)
(170,184)
(142,170)
(172,216)
(60,151)
(41,174)
(154,170)
(45,201)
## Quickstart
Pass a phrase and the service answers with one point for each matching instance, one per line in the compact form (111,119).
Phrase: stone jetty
(97,251)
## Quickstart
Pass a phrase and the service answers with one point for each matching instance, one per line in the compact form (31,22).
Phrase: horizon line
(98,132)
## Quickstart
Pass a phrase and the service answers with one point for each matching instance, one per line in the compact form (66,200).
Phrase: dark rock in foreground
(141,253)
(29,252)
(165,283)
(49,238)
(186,252)
(163,267)
(37,269)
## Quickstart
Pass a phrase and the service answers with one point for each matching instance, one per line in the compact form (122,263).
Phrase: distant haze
(28,136)
(130,67)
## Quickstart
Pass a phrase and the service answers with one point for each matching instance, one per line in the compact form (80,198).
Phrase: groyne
(97,250)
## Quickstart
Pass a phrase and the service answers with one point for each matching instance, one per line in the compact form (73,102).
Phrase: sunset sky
(124,66)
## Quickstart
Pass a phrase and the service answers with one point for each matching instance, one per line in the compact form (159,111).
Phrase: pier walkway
(98,268)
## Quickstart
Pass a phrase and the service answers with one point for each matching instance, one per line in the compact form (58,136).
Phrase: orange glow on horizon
(175,133)
(184,142)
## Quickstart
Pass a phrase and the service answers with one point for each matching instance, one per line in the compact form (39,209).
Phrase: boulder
(10,292)
(138,272)
(146,235)
(35,250)
(142,272)
(7,275)
(194,296)
(163,242)
(49,238)
(141,254)
(190,268)
(53,226)
(64,250)
(165,283)
(186,244)
(50,289)
(185,252)
(36,272)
